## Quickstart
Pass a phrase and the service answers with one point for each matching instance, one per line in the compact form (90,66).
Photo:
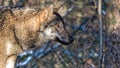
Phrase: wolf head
(35,28)
(56,30)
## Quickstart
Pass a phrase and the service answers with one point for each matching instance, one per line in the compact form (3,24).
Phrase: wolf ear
(41,18)
(49,10)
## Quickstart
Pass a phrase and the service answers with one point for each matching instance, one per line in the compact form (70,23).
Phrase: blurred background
(82,21)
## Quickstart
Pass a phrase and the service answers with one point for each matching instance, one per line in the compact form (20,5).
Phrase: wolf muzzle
(70,39)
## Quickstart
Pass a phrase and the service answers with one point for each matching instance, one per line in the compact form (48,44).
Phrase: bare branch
(100,32)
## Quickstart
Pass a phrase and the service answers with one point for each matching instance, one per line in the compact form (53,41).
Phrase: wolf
(24,28)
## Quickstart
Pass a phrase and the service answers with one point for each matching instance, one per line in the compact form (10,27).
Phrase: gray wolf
(23,28)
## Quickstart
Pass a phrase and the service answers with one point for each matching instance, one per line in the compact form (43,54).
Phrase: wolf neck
(33,18)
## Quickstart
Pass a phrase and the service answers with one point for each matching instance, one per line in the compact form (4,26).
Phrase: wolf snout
(64,40)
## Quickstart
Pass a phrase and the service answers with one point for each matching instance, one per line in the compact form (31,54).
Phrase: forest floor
(82,22)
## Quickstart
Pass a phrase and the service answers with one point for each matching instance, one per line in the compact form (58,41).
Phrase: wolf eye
(50,24)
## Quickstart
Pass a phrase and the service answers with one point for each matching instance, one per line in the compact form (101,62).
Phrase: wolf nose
(71,39)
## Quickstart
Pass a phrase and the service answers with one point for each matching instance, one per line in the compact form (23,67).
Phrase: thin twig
(100,32)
